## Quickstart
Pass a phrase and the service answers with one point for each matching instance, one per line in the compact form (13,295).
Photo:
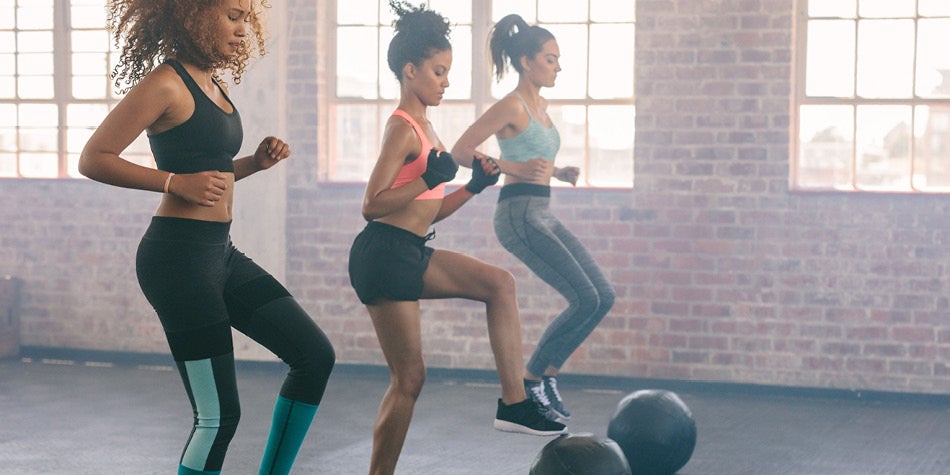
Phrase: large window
(872,96)
(55,64)
(592,103)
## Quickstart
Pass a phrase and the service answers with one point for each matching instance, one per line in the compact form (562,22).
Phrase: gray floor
(75,417)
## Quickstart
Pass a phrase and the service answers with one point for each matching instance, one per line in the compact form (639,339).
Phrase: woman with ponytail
(524,223)
(200,285)
(391,267)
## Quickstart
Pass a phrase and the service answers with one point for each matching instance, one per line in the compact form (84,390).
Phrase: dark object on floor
(580,454)
(655,430)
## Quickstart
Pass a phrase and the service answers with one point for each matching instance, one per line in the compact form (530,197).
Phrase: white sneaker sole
(506,426)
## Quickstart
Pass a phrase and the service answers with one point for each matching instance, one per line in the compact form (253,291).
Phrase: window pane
(7,87)
(611,131)
(460,76)
(357,12)
(933,7)
(38,140)
(356,53)
(611,61)
(457,12)
(612,10)
(7,15)
(388,84)
(35,15)
(829,69)
(886,8)
(932,147)
(34,42)
(90,41)
(7,42)
(825,146)
(885,62)
(87,16)
(35,87)
(35,64)
(7,139)
(8,165)
(90,64)
(357,142)
(554,11)
(883,147)
(933,63)
(90,87)
(7,63)
(86,115)
(38,115)
(8,115)
(39,165)
(526,8)
(572,80)
(832,8)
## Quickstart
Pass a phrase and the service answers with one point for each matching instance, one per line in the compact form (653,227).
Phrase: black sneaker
(549,384)
(525,417)
(535,391)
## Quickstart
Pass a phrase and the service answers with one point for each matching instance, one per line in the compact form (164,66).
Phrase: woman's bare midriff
(415,218)
(175,207)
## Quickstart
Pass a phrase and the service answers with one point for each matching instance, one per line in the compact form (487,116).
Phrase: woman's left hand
(270,151)
(567,174)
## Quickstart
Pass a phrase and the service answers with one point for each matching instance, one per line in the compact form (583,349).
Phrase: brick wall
(722,274)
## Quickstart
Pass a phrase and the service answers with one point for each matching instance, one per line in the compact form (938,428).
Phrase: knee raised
(501,282)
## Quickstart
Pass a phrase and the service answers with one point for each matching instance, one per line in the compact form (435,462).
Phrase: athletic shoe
(554,397)
(527,418)
(535,391)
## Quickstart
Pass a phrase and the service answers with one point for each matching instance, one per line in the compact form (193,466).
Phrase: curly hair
(146,32)
(512,39)
(419,33)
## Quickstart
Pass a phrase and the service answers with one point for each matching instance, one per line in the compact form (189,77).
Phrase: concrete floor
(78,417)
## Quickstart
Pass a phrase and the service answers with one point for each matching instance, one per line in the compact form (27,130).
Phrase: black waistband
(185,229)
(390,230)
(524,189)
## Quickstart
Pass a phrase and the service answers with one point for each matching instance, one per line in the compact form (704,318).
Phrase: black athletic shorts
(388,262)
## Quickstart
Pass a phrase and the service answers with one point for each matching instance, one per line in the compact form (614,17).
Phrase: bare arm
(154,103)
(380,199)
(270,151)
(144,106)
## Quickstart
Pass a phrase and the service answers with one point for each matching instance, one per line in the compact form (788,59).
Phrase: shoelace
(538,391)
(552,383)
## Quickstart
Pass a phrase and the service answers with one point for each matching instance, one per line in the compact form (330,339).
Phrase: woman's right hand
(202,189)
(536,170)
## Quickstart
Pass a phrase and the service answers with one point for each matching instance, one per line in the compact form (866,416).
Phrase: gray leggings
(527,229)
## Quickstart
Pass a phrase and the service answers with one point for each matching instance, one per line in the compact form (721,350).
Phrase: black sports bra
(208,140)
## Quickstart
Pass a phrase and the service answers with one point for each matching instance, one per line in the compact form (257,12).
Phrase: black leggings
(201,285)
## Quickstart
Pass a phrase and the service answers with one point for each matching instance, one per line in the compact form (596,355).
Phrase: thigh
(263,309)
(455,275)
(398,329)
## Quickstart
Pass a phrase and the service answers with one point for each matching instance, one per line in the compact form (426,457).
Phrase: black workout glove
(441,168)
(480,180)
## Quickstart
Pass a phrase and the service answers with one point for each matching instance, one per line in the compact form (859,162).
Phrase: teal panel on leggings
(183,470)
(289,427)
(205,391)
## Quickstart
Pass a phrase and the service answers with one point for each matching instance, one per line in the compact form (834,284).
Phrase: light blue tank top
(535,141)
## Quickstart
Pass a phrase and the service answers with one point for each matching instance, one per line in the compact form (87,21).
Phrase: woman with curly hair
(524,224)
(199,284)
(390,266)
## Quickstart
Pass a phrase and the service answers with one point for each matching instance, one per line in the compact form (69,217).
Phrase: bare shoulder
(399,139)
